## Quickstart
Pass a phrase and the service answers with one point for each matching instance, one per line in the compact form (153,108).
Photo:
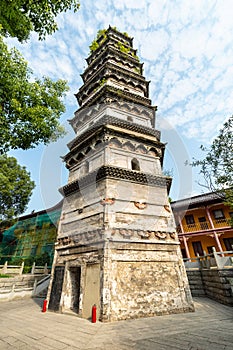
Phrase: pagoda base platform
(125,280)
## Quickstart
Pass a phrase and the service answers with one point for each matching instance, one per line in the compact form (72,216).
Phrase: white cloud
(186,47)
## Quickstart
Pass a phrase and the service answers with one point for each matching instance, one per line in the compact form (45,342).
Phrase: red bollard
(44,307)
(93,316)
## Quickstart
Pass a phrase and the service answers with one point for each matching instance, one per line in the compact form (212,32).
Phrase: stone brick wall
(196,283)
(216,284)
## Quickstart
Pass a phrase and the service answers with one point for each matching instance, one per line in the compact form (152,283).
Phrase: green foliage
(94,46)
(123,48)
(217,166)
(19,17)
(137,70)
(101,32)
(15,188)
(4,276)
(102,81)
(29,110)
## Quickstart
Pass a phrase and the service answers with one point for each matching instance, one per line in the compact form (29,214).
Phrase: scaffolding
(30,236)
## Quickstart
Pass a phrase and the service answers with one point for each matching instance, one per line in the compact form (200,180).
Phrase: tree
(29,110)
(15,188)
(217,166)
(19,17)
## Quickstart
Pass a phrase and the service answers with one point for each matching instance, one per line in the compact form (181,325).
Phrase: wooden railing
(203,226)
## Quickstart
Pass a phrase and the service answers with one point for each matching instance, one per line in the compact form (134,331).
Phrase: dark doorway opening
(57,283)
(75,276)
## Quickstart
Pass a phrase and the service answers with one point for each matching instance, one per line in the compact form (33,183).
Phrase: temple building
(117,246)
(203,223)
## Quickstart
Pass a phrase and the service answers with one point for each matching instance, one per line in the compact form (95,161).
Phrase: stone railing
(217,260)
(22,286)
(13,270)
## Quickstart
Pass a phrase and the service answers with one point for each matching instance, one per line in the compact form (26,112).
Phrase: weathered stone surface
(117,245)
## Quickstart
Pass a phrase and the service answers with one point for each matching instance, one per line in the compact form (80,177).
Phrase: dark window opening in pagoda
(129,118)
(80,157)
(135,164)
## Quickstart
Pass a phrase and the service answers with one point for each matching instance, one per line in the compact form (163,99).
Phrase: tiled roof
(206,198)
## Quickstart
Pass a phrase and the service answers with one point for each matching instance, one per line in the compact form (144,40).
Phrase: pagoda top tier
(114,72)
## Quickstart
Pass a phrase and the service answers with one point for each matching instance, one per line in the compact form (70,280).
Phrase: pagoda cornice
(105,133)
(107,93)
(114,68)
(107,172)
(110,43)
(118,74)
(91,113)
(115,55)
(128,127)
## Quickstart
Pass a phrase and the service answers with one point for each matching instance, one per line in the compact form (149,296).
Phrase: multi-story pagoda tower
(117,246)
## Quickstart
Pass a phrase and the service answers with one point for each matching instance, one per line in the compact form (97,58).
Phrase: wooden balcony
(203,226)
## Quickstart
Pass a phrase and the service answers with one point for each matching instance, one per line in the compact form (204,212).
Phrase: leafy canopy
(29,110)
(217,166)
(19,17)
(15,188)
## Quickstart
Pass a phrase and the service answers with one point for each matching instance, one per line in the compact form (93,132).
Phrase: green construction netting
(30,236)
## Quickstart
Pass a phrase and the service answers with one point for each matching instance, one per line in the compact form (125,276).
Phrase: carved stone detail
(140,205)
(107,201)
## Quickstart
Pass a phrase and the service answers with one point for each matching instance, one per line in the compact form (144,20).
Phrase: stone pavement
(24,326)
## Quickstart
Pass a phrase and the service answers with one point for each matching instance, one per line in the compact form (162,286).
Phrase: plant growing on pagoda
(102,82)
(95,44)
(123,48)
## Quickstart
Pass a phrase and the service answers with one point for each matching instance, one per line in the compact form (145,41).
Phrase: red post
(44,307)
(93,316)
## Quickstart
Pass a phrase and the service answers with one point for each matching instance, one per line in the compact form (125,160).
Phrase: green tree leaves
(217,166)
(29,110)
(15,188)
(19,17)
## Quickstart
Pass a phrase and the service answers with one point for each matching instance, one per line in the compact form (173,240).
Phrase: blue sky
(187,50)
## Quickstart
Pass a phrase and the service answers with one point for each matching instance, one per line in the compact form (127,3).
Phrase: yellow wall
(207,237)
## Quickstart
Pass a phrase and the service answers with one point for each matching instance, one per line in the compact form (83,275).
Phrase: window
(197,247)
(218,214)
(203,223)
(189,219)
(228,243)
(129,118)
(135,164)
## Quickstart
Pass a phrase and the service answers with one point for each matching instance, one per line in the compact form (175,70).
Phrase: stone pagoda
(117,247)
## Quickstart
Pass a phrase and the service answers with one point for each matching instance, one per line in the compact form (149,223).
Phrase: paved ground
(24,326)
